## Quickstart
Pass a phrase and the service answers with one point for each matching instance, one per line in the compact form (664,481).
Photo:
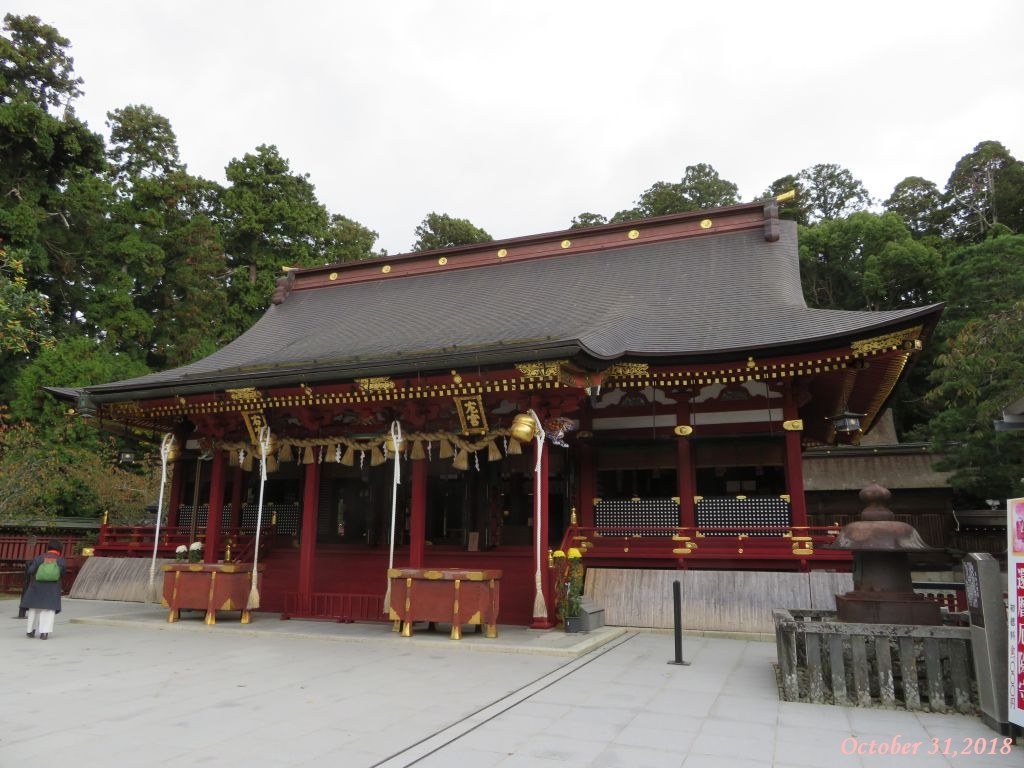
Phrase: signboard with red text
(1015,606)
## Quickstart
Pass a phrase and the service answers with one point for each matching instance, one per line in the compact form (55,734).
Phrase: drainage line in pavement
(509,700)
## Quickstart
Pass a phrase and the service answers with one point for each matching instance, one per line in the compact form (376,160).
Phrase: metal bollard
(677,617)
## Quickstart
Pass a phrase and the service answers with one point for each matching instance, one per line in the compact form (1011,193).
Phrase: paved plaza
(116,685)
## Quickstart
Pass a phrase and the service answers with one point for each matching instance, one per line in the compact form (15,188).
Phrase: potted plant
(181,553)
(568,569)
(195,552)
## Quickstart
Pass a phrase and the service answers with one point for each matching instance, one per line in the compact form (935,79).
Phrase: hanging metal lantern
(846,422)
(524,427)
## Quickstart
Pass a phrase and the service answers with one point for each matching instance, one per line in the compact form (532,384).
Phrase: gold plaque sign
(472,416)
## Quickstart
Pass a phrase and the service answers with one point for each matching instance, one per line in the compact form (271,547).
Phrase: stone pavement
(116,685)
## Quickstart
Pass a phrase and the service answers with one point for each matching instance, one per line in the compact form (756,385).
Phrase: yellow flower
(574,554)
(558,553)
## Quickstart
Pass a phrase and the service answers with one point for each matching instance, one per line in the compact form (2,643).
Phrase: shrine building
(643,391)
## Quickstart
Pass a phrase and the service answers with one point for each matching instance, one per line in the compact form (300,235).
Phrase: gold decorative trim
(332,276)
(442,261)
(502,253)
(244,395)
(793,425)
(887,342)
(386,268)
(376,384)
(545,370)
(567,243)
(633,234)
(706,224)
(621,370)
(127,407)
(683,430)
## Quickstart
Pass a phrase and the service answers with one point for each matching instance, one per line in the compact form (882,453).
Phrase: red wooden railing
(749,546)
(17,549)
(137,541)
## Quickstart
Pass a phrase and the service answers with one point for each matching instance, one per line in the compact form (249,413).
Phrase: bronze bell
(524,427)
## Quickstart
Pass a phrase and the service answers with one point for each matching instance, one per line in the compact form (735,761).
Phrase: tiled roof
(691,299)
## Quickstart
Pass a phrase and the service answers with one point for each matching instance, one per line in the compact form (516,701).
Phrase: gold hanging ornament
(524,428)
(493,451)
(349,457)
(446,451)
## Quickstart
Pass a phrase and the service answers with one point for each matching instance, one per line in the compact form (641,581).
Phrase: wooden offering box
(449,595)
(209,587)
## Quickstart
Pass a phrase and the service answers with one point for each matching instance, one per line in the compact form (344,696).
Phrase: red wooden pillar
(540,543)
(588,485)
(213,518)
(686,472)
(588,472)
(177,470)
(307,547)
(794,461)
(418,514)
(686,482)
(236,498)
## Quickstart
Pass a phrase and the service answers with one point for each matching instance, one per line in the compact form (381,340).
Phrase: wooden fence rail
(899,666)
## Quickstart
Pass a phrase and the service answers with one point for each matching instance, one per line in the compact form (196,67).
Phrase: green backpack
(48,570)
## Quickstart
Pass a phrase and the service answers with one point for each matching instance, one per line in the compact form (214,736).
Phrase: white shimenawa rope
(254,593)
(540,608)
(165,449)
(396,440)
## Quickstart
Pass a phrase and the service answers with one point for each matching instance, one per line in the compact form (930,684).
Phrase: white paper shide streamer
(166,446)
(540,608)
(396,444)
(254,594)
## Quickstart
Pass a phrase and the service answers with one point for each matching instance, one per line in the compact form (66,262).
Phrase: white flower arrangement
(195,552)
(181,553)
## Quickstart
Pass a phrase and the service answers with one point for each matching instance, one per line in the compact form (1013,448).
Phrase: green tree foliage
(439,230)
(867,261)
(827,191)
(795,209)
(701,187)
(23,312)
(980,373)
(142,143)
(166,297)
(67,363)
(980,367)
(270,218)
(348,240)
(48,160)
(588,219)
(986,190)
(54,464)
(921,205)
(48,164)
(41,479)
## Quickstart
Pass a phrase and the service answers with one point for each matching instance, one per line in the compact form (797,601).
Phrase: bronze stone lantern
(883,591)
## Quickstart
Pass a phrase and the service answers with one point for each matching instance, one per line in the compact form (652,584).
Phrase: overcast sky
(519,116)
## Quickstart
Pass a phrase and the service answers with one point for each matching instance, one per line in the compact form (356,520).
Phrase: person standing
(42,598)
